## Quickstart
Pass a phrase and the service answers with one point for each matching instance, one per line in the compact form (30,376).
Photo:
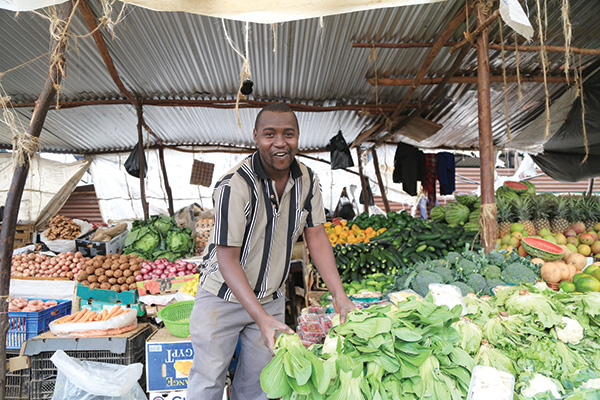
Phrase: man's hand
(343,305)
(269,326)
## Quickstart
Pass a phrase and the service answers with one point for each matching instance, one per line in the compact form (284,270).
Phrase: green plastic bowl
(177,317)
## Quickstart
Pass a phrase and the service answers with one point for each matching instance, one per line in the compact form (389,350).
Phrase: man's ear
(255,136)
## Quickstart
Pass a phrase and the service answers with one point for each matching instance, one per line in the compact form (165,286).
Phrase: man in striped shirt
(262,205)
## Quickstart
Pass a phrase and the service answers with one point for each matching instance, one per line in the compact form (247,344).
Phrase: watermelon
(517,187)
(542,248)
(531,188)
(438,212)
(511,196)
(474,216)
(456,214)
(466,200)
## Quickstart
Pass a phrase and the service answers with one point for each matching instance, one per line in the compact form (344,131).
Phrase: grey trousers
(215,325)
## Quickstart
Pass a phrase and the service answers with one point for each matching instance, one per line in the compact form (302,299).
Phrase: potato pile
(62,228)
(64,265)
(203,228)
(21,304)
(111,272)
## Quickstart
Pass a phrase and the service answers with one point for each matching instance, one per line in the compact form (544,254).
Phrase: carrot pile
(91,316)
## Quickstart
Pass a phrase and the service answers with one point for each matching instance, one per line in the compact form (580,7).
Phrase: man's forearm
(322,256)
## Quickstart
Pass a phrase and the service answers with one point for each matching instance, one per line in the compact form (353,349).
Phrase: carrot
(113,311)
(79,315)
(104,315)
(118,313)
(65,319)
(88,316)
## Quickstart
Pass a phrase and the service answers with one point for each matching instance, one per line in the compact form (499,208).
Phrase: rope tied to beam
(245,70)
(488,213)
(24,145)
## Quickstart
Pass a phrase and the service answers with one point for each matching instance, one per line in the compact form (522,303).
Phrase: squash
(537,261)
(551,272)
(565,272)
(568,251)
(579,260)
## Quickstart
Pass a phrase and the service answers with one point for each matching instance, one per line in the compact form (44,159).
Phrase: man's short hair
(275,107)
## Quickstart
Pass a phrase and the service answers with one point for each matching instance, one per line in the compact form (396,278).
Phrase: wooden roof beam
(437,46)
(466,79)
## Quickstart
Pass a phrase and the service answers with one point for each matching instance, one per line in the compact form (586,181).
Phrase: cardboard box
(91,249)
(98,306)
(176,395)
(168,362)
(163,285)
(110,296)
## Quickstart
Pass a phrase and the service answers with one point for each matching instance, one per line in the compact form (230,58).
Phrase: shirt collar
(258,168)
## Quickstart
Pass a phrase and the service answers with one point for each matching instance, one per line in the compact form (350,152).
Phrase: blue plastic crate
(25,325)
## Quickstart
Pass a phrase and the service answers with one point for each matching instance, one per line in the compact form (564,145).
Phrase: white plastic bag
(111,326)
(91,380)
(64,245)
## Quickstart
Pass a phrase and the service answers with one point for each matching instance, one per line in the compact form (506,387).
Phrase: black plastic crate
(43,371)
(17,384)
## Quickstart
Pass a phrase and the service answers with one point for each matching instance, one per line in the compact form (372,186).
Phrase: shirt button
(272,196)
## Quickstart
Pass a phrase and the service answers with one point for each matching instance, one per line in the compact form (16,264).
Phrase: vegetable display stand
(25,325)
(124,349)
(17,383)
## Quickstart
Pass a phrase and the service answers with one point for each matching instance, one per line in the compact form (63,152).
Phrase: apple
(522,252)
(560,238)
(586,238)
(584,249)
(596,247)
(570,233)
(578,227)
(594,235)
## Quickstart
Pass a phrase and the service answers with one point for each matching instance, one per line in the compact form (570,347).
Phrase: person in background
(261,206)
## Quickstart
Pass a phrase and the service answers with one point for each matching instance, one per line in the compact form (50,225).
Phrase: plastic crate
(25,325)
(43,371)
(17,384)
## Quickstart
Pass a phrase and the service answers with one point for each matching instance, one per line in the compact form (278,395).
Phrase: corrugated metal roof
(162,55)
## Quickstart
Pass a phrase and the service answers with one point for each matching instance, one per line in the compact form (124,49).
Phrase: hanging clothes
(409,167)
(446,172)
(430,180)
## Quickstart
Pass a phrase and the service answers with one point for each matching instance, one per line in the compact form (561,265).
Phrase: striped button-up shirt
(249,215)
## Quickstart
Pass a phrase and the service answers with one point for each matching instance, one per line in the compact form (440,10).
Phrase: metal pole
(386,203)
(142,160)
(15,193)
(486,145)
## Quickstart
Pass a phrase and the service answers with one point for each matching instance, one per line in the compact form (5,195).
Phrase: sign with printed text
(168,364)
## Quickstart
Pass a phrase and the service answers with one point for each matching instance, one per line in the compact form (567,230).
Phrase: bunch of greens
(159,237)
(412,352)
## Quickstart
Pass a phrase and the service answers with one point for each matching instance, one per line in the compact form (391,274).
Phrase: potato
(82,276)
(116,288)
(135,267)
(130,280)
(93,278)
(108,272)
(124,266)
(117,273)
(114,266)
(127,273)
(121,280)
(99,271)
(105,286)
(112,281)
(125,286)
(89,270)
(97,264)
(95,285)
(85,283)
(132,286)
(102,278)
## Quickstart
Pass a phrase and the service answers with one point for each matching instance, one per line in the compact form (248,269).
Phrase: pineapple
(592,211)
(541,207)
(576,210)
(504,215)
(523,212)
(560,224)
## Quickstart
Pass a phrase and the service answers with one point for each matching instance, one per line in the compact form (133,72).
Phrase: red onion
(143,270)
(181,273)
(139,278)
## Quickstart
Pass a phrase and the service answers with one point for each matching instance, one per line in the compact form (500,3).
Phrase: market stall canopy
(187,76)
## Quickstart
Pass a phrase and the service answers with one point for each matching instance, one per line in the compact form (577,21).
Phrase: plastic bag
(340,152)
(132,164)
(91,380)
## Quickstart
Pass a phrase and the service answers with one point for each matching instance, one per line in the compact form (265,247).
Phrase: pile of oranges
(340,233)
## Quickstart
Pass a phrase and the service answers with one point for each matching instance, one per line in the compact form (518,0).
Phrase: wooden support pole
(475,34)
(486,145)
(15,193)
(386,203)
(363,182)
(590,187)
(140,145)
(163,167)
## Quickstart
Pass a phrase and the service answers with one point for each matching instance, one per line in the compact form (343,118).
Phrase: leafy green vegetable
(159,237)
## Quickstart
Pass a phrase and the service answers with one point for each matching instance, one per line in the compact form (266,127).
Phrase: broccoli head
(496,258)
(477,282)
(517,273)
(464,288)
(466,267)
(491,271)
(421,282)
(452,257)
(444,272)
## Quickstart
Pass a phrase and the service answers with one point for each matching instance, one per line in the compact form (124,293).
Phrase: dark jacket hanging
(446,169)
(409,167)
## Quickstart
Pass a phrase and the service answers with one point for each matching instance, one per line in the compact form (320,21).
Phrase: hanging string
(579,75)
(508,132)
(568,33)
(519,91)
(544,56)
(373,56)
(245,71)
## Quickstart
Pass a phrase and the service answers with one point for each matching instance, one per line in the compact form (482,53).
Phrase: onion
(181,267)
(181,273)
(147,276)
(139,277)
(144,270)
(172,270)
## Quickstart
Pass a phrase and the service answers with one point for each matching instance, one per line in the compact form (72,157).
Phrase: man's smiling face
(276,136)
